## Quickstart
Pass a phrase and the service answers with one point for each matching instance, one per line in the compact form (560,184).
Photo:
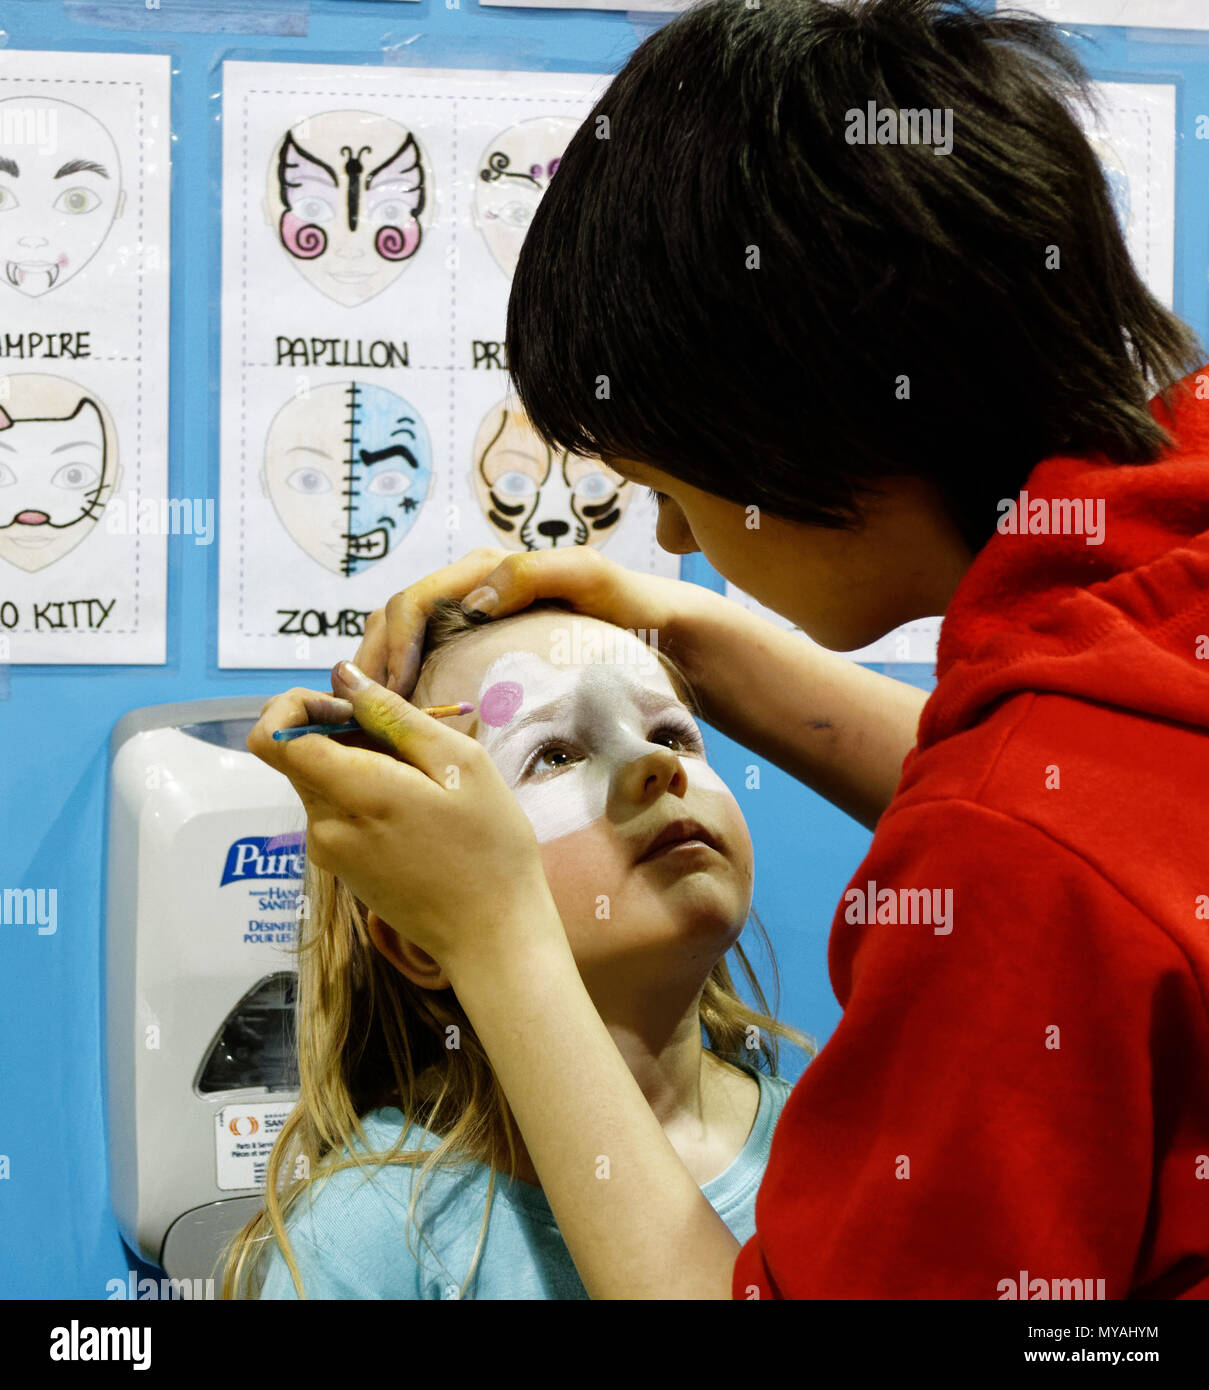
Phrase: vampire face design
(514,171)
(347,468)
(347,195)
(60,190)
(535,498)
(58,468)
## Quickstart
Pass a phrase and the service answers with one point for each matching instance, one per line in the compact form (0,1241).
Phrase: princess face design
(347,196)
(60,190)
(58,468)
(535,498)
(347,467)
(513,173)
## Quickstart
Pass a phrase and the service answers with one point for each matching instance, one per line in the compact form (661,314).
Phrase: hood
(1123,622)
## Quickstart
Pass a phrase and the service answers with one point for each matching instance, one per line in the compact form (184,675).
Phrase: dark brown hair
(718,284)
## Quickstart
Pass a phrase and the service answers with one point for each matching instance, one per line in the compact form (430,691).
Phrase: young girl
(609,765)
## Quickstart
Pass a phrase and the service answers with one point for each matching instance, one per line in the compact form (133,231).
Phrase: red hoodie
(1017,1095)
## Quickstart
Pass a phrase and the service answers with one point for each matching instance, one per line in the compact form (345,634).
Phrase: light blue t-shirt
(351,1240)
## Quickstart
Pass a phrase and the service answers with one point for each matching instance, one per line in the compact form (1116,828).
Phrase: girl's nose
(655,771)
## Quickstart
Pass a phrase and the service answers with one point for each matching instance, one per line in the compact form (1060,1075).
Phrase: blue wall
(57,1235)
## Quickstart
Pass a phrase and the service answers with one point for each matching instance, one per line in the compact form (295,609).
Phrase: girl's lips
(674,847)
(677,834)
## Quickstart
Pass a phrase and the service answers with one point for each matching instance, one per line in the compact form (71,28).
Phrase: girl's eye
(533,763)
(683,732)
(686,735)
(659,498)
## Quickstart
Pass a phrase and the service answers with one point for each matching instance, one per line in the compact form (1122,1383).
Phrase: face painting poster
(84,176)
(371,222)
(1133,135)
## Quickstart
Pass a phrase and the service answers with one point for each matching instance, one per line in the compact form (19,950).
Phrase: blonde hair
(368,1037)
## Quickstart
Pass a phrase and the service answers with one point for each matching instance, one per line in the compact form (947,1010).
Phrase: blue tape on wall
(288,18)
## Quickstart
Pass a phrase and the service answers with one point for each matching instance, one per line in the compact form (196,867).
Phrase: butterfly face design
(348,192)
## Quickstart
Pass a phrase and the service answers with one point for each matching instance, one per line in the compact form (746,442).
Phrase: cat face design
(347,468)
(514,171)
(347,196)
(60,190)
(58,466)
(535,498)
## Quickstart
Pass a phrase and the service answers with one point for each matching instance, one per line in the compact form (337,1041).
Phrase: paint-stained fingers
(287,711)
(410,751)
(589,581)
(428,744)
(394,634)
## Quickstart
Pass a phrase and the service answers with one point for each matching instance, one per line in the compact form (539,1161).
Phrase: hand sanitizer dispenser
(205,866)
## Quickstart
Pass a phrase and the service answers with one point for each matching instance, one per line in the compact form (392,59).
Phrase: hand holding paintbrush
(352,727)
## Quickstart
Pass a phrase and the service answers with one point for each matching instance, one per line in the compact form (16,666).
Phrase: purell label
(264,856)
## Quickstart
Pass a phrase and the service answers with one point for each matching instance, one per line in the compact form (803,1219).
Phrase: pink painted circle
(500,702)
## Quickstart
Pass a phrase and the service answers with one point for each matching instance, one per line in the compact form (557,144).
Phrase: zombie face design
(514,171)
(535,498)
(347,468)
(347,191)
(60,190)
(58,468)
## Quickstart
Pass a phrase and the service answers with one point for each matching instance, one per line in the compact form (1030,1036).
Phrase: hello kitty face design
(535,498)
(348,467)
(514,172)
(347,195)
(58,466)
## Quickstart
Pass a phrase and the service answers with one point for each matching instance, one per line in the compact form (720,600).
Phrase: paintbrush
(352,727)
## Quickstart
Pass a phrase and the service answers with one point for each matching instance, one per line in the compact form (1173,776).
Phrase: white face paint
(599,717)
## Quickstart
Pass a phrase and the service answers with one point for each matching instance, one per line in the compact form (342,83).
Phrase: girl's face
(586,728)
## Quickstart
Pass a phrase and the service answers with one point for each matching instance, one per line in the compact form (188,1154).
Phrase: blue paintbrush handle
(352,727)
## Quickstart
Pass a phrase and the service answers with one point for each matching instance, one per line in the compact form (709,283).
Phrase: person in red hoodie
(872,379)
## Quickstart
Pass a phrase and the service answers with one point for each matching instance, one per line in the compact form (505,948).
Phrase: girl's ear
(408,959)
